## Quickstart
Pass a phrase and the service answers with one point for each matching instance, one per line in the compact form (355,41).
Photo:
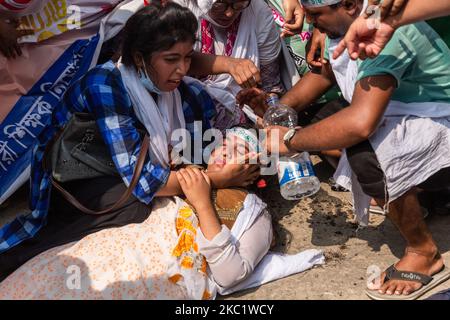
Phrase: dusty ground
(324,222)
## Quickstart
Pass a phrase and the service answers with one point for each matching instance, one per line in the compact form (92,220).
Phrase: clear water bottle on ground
(296,177)
(295,174)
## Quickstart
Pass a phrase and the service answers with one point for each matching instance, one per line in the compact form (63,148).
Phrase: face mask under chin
(146,80)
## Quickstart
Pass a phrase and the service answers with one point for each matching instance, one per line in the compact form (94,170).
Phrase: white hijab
(274,265)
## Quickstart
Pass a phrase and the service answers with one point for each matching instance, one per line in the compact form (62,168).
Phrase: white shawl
(274,265)
(160,119)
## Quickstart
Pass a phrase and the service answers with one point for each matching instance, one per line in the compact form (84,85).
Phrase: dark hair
(156,28)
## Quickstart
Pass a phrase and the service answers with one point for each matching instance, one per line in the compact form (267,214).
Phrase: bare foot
(412,261)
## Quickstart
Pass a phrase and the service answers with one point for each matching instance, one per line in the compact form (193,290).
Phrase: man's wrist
(289,137)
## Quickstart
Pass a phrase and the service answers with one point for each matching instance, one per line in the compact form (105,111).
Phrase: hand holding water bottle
(295,174)
(255,98)
(278,120)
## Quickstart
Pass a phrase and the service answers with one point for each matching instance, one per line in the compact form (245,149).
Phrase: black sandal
(393,274)
(427,282)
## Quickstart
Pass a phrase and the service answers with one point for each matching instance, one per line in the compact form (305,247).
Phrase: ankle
(429,251)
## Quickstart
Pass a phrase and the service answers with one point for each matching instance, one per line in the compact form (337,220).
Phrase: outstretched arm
(310,88)
(347,127)
(417,10)
(368,37)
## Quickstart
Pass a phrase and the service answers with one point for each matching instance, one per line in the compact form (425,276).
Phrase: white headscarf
(200,8)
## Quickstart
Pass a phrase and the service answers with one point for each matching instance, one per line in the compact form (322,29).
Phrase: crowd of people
(370,82)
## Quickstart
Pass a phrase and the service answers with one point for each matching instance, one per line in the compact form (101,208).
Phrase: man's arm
(362,40)
(417,10)
(353,124)
(310,88)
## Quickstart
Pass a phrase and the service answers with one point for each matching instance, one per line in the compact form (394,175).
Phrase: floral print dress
(156,259)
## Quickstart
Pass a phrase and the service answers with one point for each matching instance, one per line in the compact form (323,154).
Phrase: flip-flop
(428,283)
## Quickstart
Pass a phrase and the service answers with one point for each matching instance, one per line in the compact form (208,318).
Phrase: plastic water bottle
(295,174)
(296,177)
(279,114)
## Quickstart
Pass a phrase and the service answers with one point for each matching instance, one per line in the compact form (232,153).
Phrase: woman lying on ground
(144,92)
(186,249)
